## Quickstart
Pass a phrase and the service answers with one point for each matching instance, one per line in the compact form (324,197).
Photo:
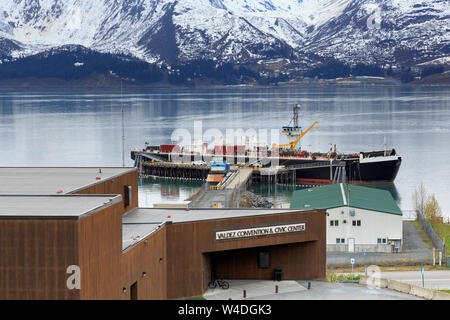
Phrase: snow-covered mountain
(240,31)
(391,31)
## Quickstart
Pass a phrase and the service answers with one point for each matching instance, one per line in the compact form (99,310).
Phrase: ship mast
(295,118)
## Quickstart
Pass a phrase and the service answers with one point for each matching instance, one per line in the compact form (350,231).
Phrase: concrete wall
(386,248)
(403,287)
(374,225)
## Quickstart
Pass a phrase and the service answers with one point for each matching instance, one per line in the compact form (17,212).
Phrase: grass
(388,269)
(443,231)
(198,298)
(446,291)
(396,263)
(333,277)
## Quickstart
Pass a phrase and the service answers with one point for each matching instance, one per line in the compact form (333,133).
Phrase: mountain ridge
(304,33)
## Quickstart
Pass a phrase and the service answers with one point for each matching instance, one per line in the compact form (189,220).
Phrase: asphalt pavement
(297,290)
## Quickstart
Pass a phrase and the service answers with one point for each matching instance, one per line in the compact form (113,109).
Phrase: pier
(226,192)
(281,176)
(174,170)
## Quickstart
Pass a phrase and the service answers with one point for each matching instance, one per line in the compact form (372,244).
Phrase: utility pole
(123,124)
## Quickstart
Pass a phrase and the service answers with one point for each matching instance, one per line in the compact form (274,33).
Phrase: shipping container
(168,148)
(229,150)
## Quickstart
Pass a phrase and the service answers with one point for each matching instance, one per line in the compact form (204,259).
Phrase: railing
(227,180)
(197,197)
(314,165)
(431,233)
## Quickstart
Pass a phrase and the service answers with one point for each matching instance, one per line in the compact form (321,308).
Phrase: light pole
(123,124)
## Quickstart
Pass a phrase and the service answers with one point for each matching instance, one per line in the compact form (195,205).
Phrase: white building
(359,219)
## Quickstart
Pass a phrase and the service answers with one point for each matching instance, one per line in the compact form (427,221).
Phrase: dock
(187,171)
(184,171)
(226,191)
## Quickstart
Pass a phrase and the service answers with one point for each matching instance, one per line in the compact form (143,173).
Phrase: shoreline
(60,86)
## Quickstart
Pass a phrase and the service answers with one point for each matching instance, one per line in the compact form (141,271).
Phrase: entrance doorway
(134,291)
(351,245)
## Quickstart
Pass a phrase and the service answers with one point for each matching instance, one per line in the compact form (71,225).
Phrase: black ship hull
(308,171)
(355,172)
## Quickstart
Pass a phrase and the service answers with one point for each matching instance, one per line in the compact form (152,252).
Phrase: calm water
(83,128)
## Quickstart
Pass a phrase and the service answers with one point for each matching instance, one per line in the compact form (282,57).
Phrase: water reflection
(159,190)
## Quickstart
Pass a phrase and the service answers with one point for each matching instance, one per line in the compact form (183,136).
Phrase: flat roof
(45,180)
(161,215)
(141,222)
(62,207)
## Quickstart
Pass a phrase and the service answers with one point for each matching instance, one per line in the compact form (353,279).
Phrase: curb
(426,293)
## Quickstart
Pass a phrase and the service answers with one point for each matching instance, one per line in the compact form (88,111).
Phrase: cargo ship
(310,168)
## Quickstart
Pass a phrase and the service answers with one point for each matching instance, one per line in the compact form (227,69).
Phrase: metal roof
(214,177)
(39,181)
(339,195)
(54,207)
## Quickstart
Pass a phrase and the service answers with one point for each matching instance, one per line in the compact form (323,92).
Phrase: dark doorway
(213,268)
(134,291)
(264,259)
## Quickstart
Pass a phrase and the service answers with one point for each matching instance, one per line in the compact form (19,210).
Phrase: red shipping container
(229,150)
(168,147)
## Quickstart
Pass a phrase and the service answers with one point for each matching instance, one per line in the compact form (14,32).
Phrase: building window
(127,196)
(338,240)
(342,240)
(334,223)
(356,223)
(384,240)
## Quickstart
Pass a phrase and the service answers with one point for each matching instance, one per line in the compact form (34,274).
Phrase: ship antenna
(296,108)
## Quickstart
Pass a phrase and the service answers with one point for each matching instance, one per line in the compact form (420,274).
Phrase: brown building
(77,233)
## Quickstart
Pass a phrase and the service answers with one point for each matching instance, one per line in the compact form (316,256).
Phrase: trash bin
(278,274)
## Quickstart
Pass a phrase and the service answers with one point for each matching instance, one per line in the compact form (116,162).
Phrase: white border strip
(343,195)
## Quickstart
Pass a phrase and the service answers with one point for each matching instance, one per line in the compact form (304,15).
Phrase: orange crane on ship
(293,144)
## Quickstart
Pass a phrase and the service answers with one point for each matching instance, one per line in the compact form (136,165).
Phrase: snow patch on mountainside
(174,31)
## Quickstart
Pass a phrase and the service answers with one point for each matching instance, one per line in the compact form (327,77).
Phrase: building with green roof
(358,218)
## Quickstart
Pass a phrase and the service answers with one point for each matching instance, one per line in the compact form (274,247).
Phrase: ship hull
(376,171)
(308,171)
